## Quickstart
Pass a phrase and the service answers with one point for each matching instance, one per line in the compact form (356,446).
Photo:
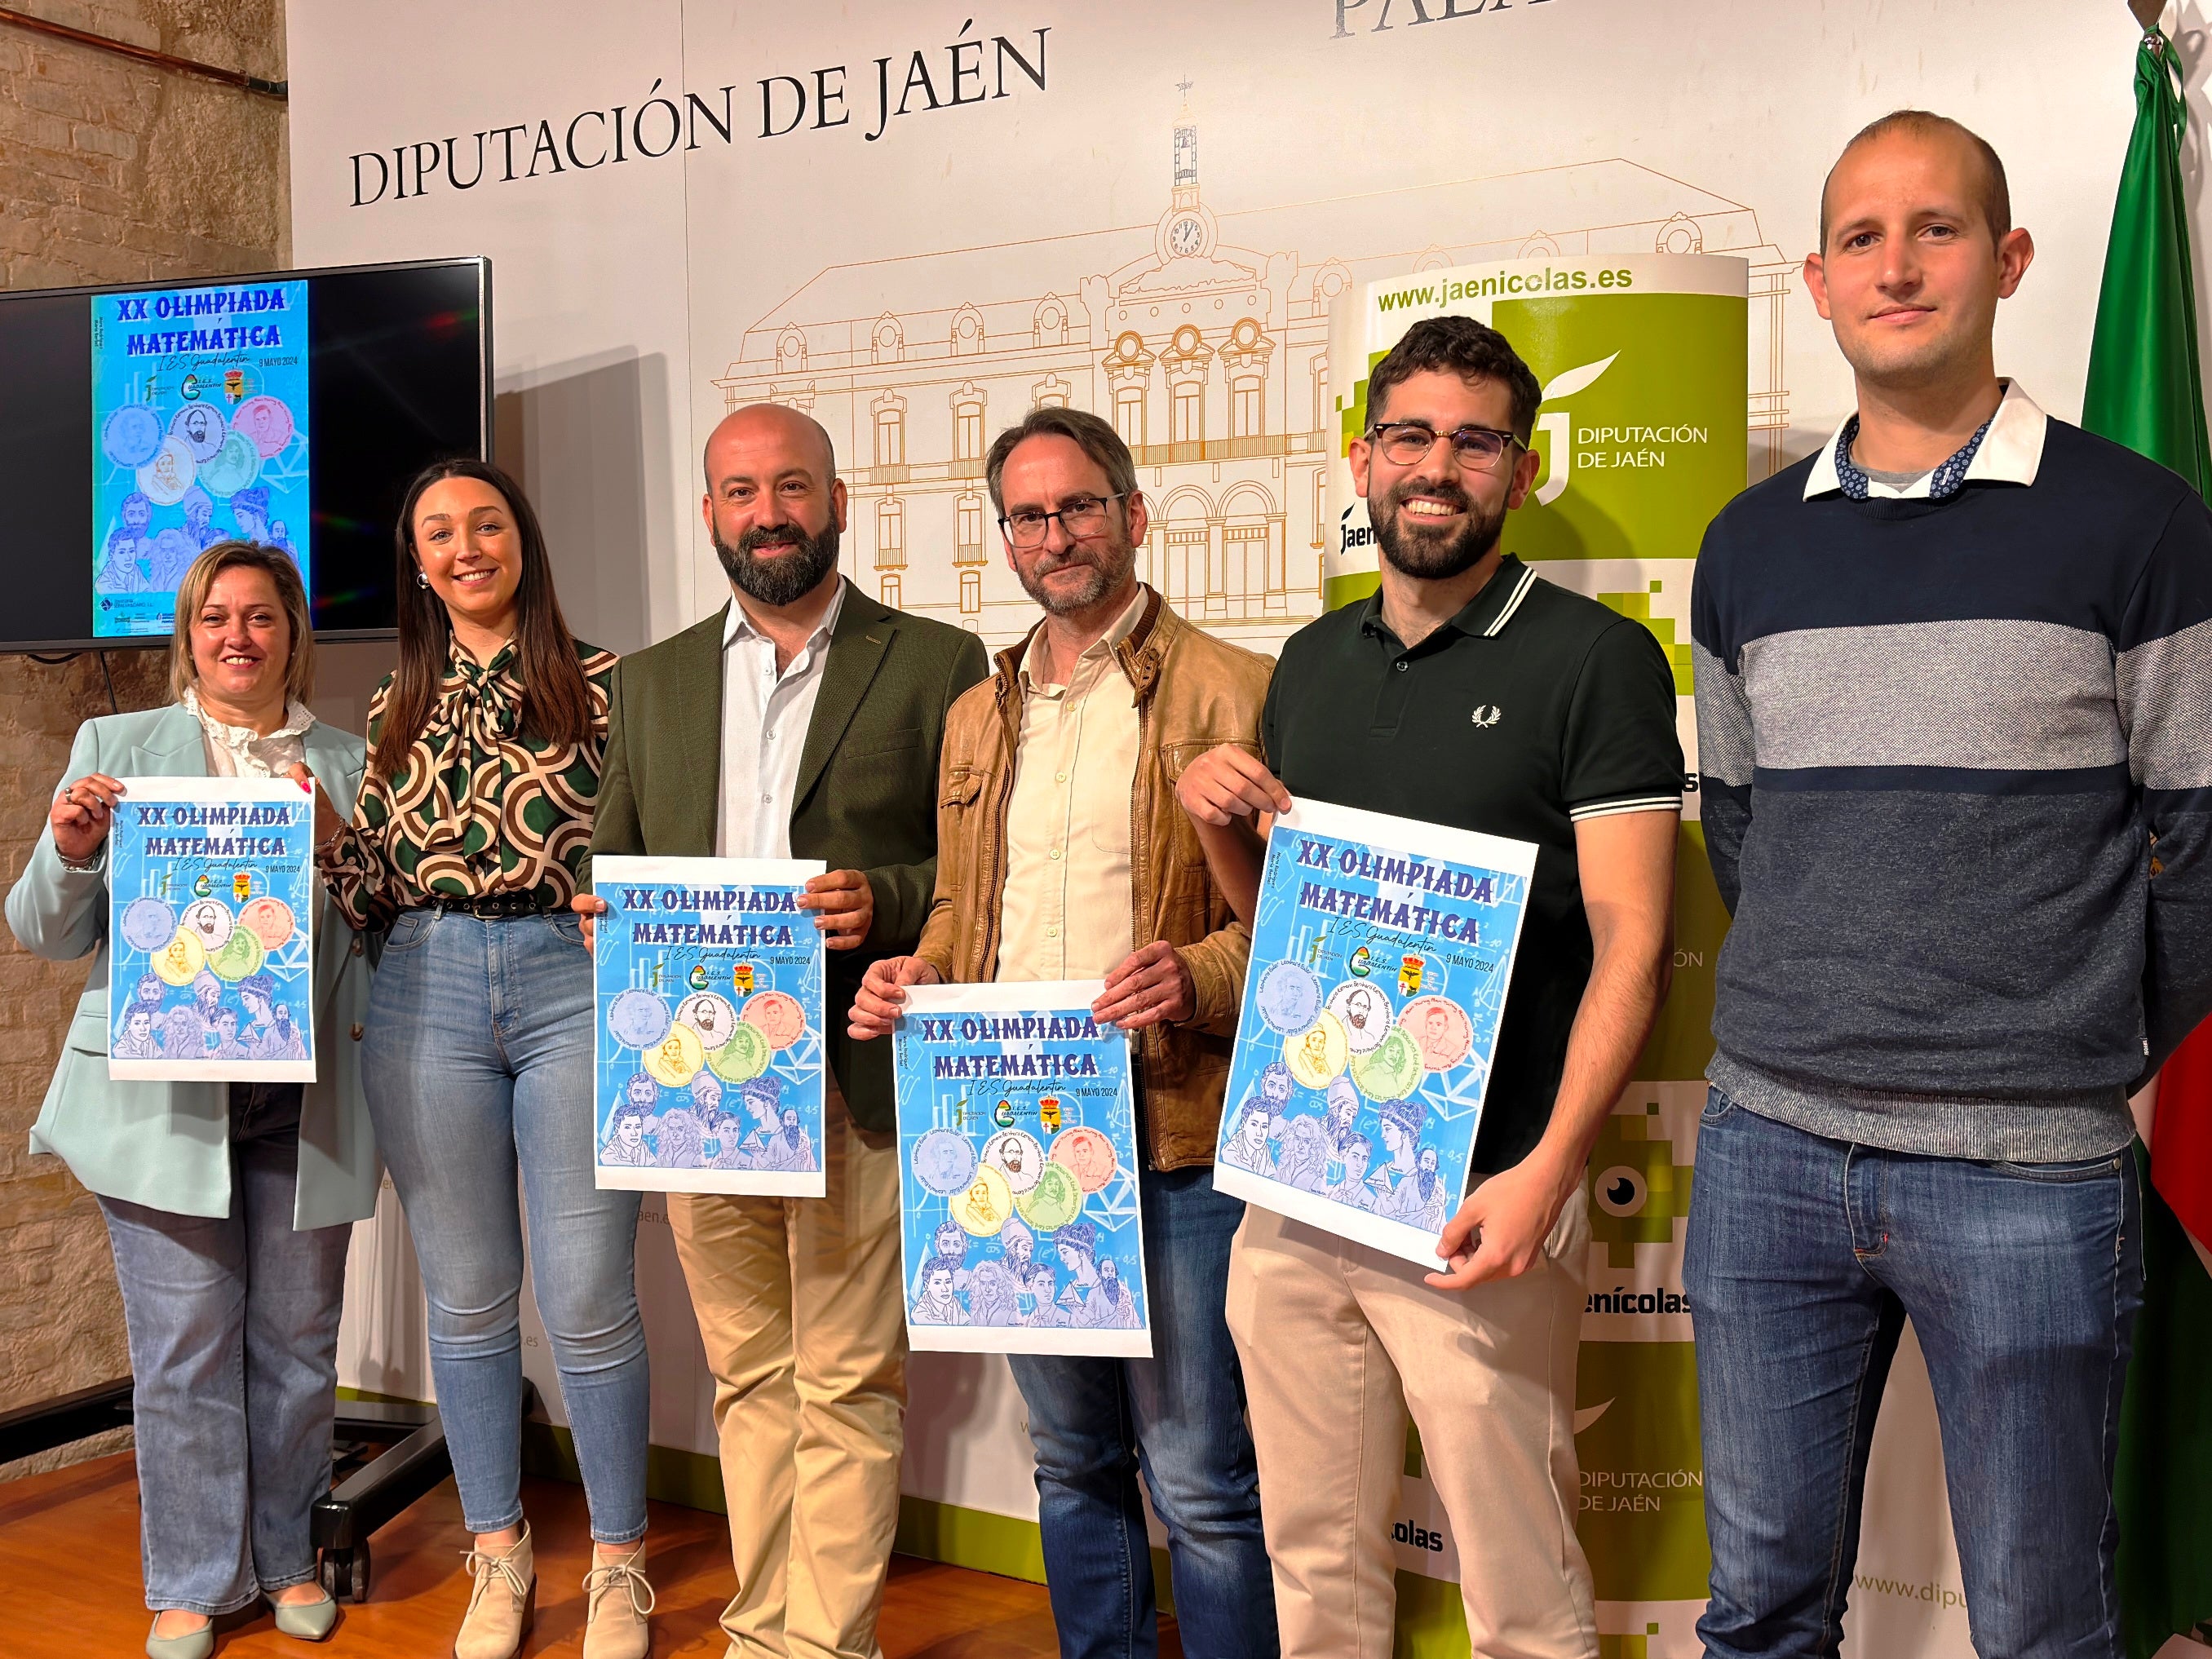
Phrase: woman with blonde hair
(228,1205)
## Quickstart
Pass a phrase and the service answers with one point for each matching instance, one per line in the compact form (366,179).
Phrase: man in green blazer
(804,720)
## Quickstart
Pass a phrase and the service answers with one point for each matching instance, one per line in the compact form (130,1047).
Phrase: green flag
(2145,390)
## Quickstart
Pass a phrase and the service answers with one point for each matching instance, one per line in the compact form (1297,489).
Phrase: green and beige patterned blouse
(477,808)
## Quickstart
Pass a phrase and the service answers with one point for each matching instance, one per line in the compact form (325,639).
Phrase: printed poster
(1381,957)
(708,981)
(1017,1173)
(211,905)
(199,435)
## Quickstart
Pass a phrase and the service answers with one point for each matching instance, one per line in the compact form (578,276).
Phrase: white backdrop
(915,280)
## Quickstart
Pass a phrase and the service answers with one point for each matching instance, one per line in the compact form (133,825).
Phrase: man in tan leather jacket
(1062,853)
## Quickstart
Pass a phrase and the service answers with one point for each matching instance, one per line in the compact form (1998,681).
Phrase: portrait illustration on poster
(1381,952)
(1017,1173)
(709,982)
(199,435)
(211,896)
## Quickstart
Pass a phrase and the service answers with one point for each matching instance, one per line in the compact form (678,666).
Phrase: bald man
(1922,1065)
(802,720)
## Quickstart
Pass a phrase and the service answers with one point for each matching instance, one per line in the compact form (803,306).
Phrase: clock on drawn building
(1187,233)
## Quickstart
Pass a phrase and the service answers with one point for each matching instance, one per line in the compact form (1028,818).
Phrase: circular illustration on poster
(1392,1070)
(241,954)
(211,920)
(269,920)
(944,1162)
(179,961)
(778,1016)
(1289,997)
(1440,1029)
(1318,1053)
(1363,1013)
(744,1057)
(1052,1202)
(1016,1155)
(710,1016)
(164,480)
(638,1019)
(131,436)
(203,430)
(983,1207)
(235,465)
(148,924)
(676,1058)
(266,422)
(1087,1155)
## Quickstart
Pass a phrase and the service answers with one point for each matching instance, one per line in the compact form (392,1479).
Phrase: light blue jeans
(234,1328)
(477,1062)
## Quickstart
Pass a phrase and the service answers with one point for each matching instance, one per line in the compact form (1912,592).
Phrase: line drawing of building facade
(1203,336)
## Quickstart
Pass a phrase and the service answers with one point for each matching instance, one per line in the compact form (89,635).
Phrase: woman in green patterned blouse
(474,814)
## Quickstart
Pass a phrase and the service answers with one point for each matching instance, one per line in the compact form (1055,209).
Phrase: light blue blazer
(166,1146)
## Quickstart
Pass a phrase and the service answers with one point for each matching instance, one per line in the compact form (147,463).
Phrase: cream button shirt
(1067,909)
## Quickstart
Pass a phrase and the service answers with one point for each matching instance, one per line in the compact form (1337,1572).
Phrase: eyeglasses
(1078,515)
(1407,442)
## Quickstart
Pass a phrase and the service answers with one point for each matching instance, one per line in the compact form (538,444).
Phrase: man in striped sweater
(1955,710)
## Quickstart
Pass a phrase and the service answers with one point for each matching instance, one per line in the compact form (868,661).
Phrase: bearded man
(1065,857)
(804,720)
(1467,691)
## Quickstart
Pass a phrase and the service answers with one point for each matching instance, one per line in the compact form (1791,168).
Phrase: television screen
(290,408)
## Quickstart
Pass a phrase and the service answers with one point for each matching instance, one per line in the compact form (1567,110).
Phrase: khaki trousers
(800,1308)
(1339,1342)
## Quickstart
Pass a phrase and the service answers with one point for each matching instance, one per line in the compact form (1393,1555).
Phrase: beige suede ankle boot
(614,1626)
(502,1605)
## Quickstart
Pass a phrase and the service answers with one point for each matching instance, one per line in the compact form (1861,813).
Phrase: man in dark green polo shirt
(1469,692)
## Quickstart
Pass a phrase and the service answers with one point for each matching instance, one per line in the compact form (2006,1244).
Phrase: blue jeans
(234,1328)
(477,1059)
(1179,1417)
(1806,1257)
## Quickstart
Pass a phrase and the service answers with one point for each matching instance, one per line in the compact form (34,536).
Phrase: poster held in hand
(211,905)
(1017,1173)
(708,982)
(1382,952)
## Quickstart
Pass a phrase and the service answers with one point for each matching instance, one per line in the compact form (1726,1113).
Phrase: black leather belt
(493,905)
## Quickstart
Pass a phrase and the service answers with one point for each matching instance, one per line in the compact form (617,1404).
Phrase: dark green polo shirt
(1532,709)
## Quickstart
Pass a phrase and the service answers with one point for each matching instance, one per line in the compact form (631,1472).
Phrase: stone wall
(110,171)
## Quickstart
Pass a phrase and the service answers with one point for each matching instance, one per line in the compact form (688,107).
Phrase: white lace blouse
(238,751)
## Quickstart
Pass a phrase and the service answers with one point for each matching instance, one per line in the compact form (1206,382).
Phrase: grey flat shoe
(195,1645)
(310,1621)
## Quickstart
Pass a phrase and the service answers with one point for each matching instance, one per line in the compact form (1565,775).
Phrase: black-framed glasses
(1407,443)
(1078,515)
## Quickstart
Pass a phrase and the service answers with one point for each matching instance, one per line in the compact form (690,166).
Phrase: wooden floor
(69,1582)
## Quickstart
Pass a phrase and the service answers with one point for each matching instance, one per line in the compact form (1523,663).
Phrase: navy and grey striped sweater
(1956,764)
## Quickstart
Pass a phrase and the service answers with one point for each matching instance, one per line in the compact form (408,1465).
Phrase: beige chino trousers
(1339,1343)
(799,1307)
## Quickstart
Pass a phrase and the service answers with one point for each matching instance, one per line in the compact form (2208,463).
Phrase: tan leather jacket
(1193,692)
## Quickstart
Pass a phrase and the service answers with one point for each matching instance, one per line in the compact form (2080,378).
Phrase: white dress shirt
(765,715)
